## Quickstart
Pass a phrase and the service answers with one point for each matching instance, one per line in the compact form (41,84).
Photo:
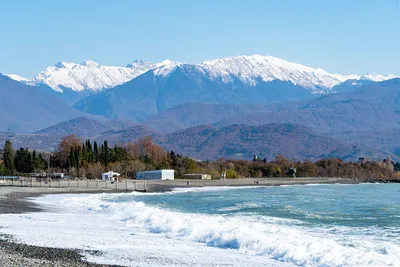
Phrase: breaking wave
(258,236)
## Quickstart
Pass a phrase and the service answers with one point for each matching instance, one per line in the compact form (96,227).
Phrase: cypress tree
(82,153)
(34,158)
(174,159)
(42,163)
(106,154)
(20,160)
(95,152)
(30,166)
(101,154)
(76,157)
(8,158)
(51,161)
(71,160)
(89,151)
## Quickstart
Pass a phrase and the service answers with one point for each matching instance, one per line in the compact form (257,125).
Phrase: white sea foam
(132,232)
(181,190)
(209,189)
(241,206)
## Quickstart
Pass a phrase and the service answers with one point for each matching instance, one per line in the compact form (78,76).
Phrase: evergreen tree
(42,164)
(30,166)
(2,169)
(21,161)
(89,151)
(106,154)
(83,154)
(8,158)
(71,158)
(118,154)
(34,158)
(174,159)
(51,161)
(76,157)
(95,152)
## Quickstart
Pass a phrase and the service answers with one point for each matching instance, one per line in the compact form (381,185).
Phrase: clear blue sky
(343,36)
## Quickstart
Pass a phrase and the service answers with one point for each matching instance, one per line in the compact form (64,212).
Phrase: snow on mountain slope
(17,78)
(375,77)
(253,69)
(250,70)
(166,67)
(89,75)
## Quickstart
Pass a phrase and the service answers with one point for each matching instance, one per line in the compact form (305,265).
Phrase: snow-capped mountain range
(176,98)
(88,75)
(92,76)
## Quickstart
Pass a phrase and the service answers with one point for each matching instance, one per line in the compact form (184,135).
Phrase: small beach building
(38,175)
(110,176)
(4,179)
(57,175)
(197,176)
(156,175)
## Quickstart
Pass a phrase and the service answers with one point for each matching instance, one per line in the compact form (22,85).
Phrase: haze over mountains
(248,102)
(25,108)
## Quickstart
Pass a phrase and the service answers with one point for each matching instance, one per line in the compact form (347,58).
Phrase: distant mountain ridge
(240,141)
(194,114)
(92,76)
(25,108)
(176,84)
(204,142)
(87,76)
(85,127)
(203,110)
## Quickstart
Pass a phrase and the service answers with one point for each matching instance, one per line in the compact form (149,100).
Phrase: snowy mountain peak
(89,75)
(167,62)
(141,64)
(90,63)
(165,67)
(63,65)
(252,69)
(375,77)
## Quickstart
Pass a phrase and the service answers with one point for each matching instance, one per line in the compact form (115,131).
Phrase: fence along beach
(161,185)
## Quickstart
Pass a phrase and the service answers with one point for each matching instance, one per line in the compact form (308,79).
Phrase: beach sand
(14,200)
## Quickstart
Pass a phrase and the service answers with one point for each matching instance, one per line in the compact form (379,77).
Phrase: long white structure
(198,176)
(109,176)
(156,175)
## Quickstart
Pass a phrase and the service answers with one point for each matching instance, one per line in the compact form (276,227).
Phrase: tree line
(89,159)
(21,162)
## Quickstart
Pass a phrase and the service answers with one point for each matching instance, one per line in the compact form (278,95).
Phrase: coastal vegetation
(89,159)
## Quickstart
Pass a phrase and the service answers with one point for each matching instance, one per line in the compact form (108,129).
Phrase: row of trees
(283,167)
(72,153)
(90,159)
(87,159)
(27,162)
(22,161)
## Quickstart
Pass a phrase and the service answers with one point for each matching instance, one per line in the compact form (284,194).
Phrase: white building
(109,176)
(57,175)
(156,175)
(197,176)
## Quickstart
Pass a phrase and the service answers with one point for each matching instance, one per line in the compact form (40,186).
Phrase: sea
(300,225)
